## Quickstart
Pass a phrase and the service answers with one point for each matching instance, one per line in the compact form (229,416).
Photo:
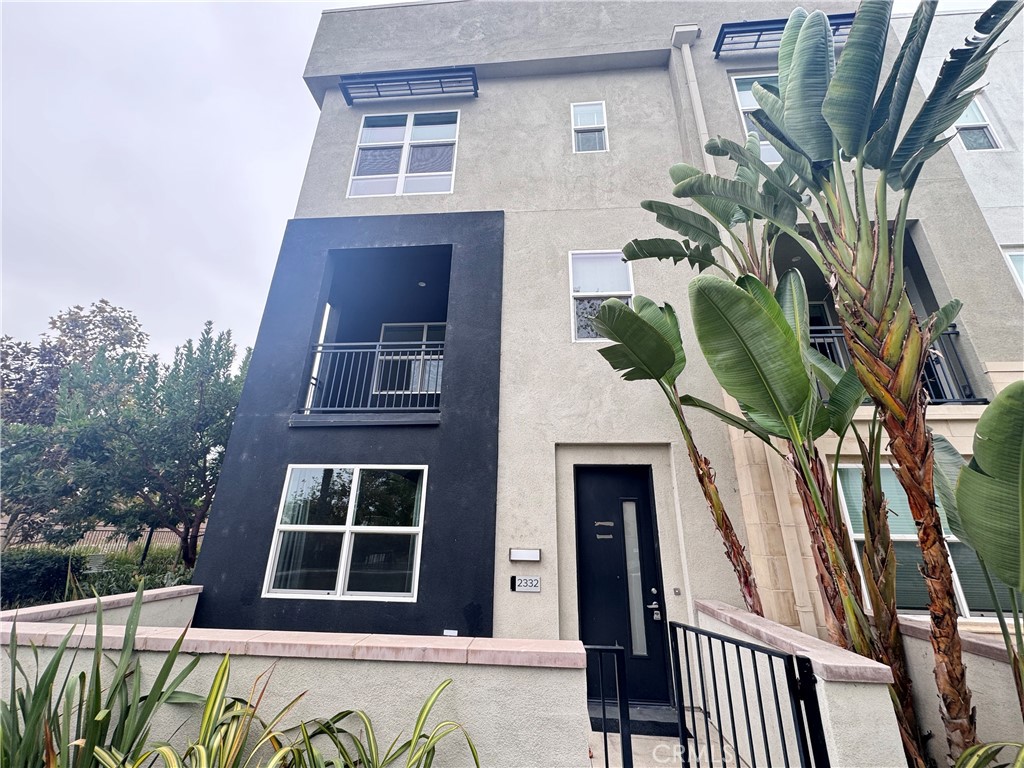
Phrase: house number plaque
(526,583)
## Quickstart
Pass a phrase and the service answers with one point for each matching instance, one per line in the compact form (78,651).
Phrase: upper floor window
(743,86)
(973,597)
(589,127)
(596,276)
(1015,258)
(348,532)
(974,129)
(408,154)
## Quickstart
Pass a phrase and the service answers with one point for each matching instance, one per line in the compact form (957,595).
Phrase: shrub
(37,575)
(120,572)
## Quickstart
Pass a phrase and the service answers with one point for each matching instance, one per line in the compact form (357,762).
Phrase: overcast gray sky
(152,154)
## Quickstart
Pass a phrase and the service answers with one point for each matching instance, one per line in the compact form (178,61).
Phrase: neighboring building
(428,441)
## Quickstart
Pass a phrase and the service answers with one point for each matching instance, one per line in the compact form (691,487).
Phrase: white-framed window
(974,129)
(405,154)
(348,532)
(973,598)
(1014,256)
(589,127)
(595,276)
(742,86)
(410,360)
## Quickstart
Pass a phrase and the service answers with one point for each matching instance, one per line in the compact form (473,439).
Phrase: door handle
(654,605)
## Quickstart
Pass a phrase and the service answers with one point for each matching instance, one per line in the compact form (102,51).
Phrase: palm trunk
(734,550)
(911,446)
(879,561)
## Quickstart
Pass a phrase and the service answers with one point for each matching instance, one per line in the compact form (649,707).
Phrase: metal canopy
(765,35)
(448,81)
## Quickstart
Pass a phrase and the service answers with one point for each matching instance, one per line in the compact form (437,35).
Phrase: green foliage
(37,575)
(56,719)
(363,751)
(40,575)
(985,755)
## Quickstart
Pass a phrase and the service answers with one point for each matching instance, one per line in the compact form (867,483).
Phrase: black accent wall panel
(457,561)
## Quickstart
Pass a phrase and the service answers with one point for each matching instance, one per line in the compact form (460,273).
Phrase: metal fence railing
(606,678)
(744,704)
(945,378)
(376,376)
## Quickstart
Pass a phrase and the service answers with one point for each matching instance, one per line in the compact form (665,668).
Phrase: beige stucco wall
(165,607)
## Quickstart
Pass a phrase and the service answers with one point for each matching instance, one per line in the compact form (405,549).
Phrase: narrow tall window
(747,104)
(589,128)
(596,276)
(410,154)
(1015,258)
(348,532)
(974,129)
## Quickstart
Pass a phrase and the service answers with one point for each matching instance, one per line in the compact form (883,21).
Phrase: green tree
(144,441)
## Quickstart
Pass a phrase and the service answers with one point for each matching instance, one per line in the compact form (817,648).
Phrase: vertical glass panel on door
(388,497)
(317,496)
(383,129)
(634,584)
(434,126)
(308,560)
(382,562)
(600,273)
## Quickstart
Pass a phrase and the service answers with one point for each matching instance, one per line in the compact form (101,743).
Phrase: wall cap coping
(988,645)
(829,662)
(499,652)
(1012,366)
(45,613)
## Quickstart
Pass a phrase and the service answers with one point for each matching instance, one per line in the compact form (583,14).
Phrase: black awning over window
(765,35)
(449,81)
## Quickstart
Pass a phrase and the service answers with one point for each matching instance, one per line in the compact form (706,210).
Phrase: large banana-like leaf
(748,160)
(687,223)
(791,294)
(731,419)
(721,210)
(851,94)
(948,466)
(844,400)
(962,68)
(734,191)
(699,256)
(808,83)
(892,101)
(941,320)
(990,492)
(648,344)
(787,46)
(756,360)
(792,155)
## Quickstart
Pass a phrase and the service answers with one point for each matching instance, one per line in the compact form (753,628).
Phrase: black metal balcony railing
(945,378)
(369,377)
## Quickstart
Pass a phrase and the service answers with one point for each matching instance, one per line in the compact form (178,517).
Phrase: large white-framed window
(595,276)
(1014,255)
(975,130)
(589,127)
(973,598)
(405,154)
(742,86)
(348,532)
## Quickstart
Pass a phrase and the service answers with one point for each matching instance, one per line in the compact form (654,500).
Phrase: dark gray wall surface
(457,559)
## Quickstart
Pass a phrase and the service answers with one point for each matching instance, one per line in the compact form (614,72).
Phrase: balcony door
(410,360)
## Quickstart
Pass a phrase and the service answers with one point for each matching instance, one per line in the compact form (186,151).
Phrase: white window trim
(742,112)
(984,123)
(1006,251)
(346,549)
(588,128)
(407,142)
(588,295)
(961,600)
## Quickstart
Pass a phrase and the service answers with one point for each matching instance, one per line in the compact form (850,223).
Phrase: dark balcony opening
(945,377)
(382,338)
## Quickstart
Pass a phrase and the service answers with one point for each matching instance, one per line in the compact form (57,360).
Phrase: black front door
(620,591)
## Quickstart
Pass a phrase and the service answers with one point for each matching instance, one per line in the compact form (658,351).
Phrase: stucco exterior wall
(166,607)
